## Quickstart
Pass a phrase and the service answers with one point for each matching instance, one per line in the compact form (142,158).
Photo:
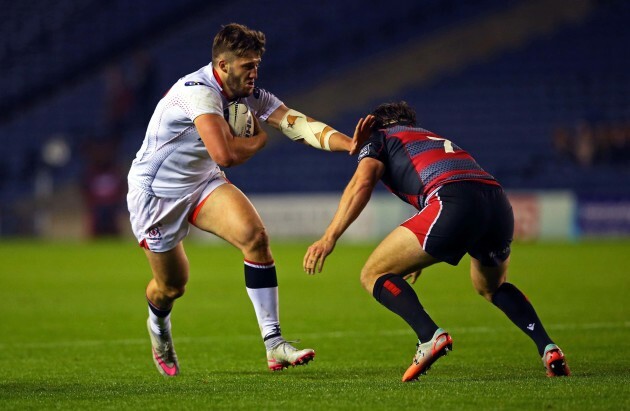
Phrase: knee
(256,240)
(368,278)
(487,280)
(173,291)
(487,291)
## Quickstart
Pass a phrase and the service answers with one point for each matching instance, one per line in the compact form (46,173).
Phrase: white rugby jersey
(173,160)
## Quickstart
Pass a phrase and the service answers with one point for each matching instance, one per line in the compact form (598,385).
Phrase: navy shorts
(465,217)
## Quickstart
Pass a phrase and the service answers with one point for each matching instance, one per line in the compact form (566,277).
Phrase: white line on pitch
(329,334)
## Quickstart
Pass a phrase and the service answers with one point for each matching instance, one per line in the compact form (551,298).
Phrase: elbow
(225,160)
(225,164)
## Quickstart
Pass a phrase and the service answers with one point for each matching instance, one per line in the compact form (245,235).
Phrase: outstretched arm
(302,128)
(354,199)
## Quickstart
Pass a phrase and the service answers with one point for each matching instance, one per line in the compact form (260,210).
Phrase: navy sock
(520,311)
(260,275)
(399,297)
(159,312)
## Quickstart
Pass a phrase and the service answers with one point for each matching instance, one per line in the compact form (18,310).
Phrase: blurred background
(538,91)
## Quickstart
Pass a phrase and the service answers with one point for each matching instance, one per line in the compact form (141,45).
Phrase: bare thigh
(487,279)
(399,253)
(229,214)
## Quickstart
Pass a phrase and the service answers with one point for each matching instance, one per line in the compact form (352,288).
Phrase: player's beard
(238,86)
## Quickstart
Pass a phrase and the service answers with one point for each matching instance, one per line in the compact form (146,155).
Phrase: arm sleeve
(199,99)
(262,103)
(374,147)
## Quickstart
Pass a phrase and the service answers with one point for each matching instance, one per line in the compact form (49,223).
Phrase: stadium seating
(52,82)
(512,103)
(58,87)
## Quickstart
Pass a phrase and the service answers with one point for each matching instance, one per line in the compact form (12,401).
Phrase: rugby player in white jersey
(176,180)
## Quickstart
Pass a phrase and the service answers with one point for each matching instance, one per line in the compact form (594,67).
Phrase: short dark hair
(391,114)
(238,40)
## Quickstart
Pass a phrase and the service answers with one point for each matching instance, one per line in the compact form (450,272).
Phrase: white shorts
(161,223)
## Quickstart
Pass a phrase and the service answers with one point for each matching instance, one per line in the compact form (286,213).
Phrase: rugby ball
(239,118)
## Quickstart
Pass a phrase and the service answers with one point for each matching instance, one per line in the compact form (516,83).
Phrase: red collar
(218,79)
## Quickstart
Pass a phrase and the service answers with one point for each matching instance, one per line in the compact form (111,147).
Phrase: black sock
(159,312)
(520,311)
(399,297)
(260,275)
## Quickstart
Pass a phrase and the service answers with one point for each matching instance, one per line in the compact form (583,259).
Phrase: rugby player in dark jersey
(462,209)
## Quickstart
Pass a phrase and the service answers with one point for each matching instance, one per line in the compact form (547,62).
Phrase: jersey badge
(364,151)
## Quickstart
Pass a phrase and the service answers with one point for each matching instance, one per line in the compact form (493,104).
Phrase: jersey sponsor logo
(364,151)
(194,83)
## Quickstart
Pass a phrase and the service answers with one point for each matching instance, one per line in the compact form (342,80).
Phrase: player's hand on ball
(316,255)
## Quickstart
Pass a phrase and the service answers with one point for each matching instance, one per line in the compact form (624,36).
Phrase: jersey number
(448,146)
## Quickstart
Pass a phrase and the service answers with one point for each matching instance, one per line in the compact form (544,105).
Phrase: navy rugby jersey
(418,161)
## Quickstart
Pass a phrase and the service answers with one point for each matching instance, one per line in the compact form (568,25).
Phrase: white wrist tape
(297,126)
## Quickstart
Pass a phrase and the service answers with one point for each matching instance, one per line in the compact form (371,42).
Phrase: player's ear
(223,66)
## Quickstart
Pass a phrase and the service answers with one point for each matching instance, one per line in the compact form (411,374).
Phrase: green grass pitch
(72,333)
